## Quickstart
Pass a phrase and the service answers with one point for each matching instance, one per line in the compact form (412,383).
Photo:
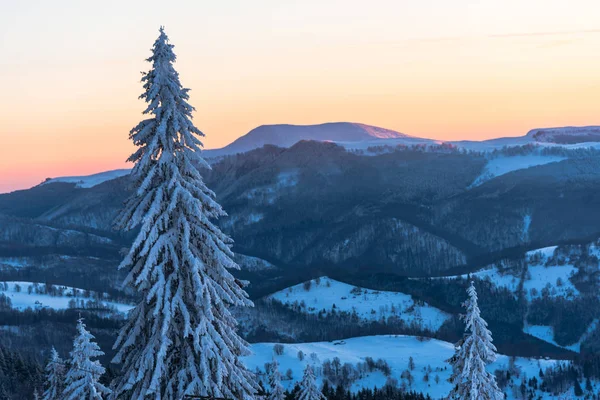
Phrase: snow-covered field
(552,278)
(15,262)
(18,292)
(555,279)
(546,333)
(89,181)
(428,354)
(368,304)
(503,165)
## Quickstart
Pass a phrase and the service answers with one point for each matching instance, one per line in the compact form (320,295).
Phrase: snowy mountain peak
(287,135)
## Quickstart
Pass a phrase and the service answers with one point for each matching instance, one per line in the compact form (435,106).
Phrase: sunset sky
(460,69)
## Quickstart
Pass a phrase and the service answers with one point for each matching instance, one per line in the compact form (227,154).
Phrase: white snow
(538,278)
(553,277)
(549,277)
(492,274)
(89,181)
(368,304)
(250,263)
(15,262)
(22,299)
(254,218)
(546,333)
(287,178)
(504,164)
(526,226)
(545,252)
(396,350)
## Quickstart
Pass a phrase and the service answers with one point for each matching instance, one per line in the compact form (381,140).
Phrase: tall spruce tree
(276,391)
(181,338)
(82,381)
(55,377)
(308,386)
(470,378)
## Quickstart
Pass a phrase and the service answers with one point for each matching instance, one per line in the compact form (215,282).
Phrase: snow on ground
(544,253)
(555,279)
(492,274)
(288,178)
(15,262)
(90,180)
(368,304)
(396,350)
(18,292)
(551,278)
(546,333)
(404,141)
(250,263)
(504,164)
(254,218)
(526,226)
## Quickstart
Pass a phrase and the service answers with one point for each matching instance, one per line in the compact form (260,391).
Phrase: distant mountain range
(355,136)
(368,212)
(361,136)
(287,135)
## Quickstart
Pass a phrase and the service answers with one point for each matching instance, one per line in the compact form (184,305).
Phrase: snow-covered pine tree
(276,391)
(181,338)
(83,375)
(470,379)
(55,377)
(308,386)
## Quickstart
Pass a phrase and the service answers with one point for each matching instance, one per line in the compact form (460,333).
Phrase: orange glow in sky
(69,71)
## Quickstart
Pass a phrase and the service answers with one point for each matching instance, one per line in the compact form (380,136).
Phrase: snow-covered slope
(504,164)
(361,137)
(566,135)
(538,278)
(428,355)
(33,295)
(542,278)
(328,294)
(250,263)
(546,333)
(90,180)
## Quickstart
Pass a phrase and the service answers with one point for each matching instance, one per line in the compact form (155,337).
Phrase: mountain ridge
(357,136)
(285,135)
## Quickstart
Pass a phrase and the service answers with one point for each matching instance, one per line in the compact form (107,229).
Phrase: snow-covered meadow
(502,165)
(542,277)
(429,356)
(328,294)
(25,295)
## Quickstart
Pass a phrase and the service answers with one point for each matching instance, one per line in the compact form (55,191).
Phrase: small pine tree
(411,363)
(276,389)
(308,387)
(55,377)
(83,375)
(470,379)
